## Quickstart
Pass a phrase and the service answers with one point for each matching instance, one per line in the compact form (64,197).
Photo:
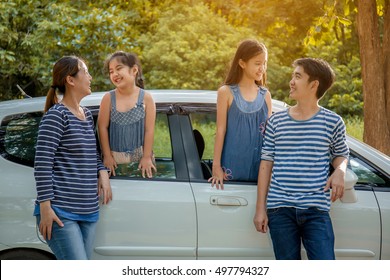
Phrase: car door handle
(228,200)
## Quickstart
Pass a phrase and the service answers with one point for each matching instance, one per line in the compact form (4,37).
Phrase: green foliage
(182,44)
(335,41)
(189,48)
(162,140)
(17,23)
(98,33)
(34,34)
(345,97)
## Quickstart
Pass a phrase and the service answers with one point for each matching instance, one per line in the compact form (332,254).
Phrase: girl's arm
(268,100)
(224,100)
(146,163)
(103,124)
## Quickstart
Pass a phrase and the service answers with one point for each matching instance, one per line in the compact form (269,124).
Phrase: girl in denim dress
(243,106)
(127,116)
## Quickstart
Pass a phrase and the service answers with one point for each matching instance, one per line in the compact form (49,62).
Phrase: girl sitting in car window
(127,116)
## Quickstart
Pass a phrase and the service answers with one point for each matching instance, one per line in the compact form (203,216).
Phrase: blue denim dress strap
(127,128)
(244,135)
(141,96)
(248,106)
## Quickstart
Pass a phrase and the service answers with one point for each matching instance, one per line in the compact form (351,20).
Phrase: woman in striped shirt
(294,184)
(69,174)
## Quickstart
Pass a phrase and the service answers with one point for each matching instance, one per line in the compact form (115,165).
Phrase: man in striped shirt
(301,142)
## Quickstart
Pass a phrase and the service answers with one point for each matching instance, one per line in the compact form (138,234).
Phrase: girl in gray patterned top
(127,116)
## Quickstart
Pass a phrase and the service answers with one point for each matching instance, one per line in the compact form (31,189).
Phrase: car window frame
(373,168)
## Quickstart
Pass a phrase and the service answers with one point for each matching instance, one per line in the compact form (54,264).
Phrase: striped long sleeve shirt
(67,161)
(301,152)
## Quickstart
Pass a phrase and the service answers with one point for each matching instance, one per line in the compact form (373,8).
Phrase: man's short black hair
(317,69)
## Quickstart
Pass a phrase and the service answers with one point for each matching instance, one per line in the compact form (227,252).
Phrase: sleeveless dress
(127,131)
(244,136)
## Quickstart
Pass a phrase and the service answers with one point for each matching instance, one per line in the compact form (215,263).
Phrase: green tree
(22,50)
(182,44)
(282,22)
(190,48)
(373,29)
(93,34)
(338,44)
(34,34)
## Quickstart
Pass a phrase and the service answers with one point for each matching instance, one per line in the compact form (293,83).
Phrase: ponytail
(51,99)
(139,80)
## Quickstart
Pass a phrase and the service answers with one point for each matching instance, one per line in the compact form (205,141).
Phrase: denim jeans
(73,241)
(289,227)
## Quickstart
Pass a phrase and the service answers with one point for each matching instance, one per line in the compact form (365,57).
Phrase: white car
(177,214)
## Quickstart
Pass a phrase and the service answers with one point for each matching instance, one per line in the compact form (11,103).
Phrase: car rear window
(18,135)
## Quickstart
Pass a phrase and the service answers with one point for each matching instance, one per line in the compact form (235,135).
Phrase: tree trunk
(386,59)
(374,70)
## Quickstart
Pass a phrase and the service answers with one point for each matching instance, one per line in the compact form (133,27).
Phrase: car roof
(160,96)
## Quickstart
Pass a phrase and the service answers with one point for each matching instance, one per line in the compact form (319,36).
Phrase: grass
(162,141)
(354,126)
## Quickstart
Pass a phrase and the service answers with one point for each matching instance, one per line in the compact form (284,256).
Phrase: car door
(357,227)
(372,177)
(225,226)
(151,218)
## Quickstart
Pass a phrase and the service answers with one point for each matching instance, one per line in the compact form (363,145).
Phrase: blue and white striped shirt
(302,152)
(67,162)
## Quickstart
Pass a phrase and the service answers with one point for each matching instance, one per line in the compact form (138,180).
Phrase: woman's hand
(48,217)
(104,186)
(146,165)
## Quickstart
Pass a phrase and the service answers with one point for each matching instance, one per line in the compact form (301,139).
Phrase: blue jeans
(289,227)
(73,241)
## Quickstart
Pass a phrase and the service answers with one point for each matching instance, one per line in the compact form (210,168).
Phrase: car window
(204,128)
(162,150)
(366,173)
(205,123)
(18,137)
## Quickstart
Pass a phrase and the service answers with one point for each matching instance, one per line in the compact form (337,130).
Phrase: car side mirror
(349,188)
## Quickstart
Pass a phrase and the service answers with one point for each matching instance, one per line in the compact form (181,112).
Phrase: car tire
(26,254)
